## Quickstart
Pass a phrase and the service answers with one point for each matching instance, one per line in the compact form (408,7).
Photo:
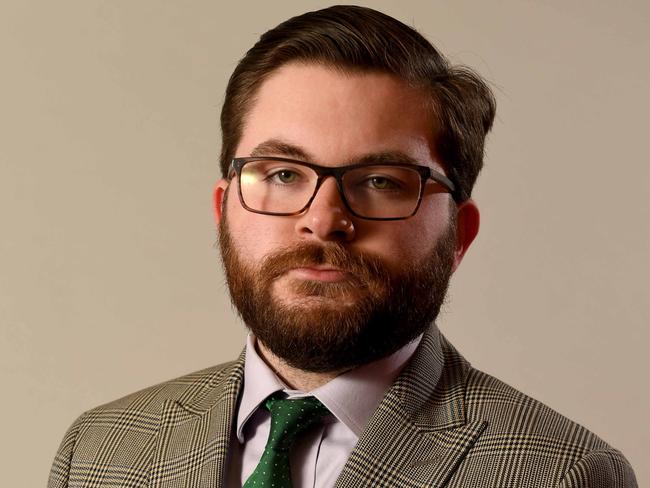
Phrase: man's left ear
(467,224)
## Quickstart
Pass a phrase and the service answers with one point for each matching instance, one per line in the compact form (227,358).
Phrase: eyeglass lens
(374,191)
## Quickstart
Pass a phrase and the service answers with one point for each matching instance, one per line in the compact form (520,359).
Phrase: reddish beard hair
(388,310)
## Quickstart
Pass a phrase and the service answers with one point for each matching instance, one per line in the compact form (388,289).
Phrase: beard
(335,326)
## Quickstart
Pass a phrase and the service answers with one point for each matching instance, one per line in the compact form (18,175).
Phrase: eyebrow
(277,147)
(387,158)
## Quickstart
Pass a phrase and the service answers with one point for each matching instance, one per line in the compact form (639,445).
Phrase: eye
(284,176)
(381,183)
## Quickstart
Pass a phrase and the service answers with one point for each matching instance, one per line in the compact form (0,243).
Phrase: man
(350,149)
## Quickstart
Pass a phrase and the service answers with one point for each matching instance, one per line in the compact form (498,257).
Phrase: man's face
(325,290)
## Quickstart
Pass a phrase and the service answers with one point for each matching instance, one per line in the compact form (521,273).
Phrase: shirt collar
(259,383)
(351,397)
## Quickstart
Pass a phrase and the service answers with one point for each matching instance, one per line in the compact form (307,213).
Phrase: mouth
(324,274)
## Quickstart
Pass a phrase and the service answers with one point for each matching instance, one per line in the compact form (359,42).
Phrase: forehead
(340,116)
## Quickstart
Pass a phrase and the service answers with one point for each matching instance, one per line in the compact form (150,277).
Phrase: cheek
(405,241)
(255,235)
(395,243)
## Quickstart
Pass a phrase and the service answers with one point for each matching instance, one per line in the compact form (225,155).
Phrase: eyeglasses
(281,186)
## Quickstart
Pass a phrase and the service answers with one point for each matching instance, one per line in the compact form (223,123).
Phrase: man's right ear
(219,199)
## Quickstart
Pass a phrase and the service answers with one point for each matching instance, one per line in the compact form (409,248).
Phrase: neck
(297,379)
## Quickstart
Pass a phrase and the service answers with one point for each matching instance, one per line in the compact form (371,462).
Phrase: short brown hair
(360,39)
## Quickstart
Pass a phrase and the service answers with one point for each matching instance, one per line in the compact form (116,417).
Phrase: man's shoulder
(522,441)
(522,431)
(117,438)
(144,406)
(509,411)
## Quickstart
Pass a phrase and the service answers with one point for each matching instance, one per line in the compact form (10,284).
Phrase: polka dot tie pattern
(289,417)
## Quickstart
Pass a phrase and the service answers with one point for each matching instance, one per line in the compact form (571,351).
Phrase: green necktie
(289,417)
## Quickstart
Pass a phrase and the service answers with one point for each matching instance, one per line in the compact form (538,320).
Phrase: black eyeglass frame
(337,173)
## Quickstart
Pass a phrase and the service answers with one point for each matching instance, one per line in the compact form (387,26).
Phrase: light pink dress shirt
(319,455)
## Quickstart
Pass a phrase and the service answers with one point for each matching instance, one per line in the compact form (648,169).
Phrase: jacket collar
(417,436)
(193,440)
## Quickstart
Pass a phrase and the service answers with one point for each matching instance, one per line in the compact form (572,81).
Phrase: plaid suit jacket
(442,423)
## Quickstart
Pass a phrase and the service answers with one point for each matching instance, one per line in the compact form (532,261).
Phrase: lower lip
(325,275)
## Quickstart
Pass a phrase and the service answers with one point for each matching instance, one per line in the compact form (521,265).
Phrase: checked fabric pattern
(289,418)
(441,424)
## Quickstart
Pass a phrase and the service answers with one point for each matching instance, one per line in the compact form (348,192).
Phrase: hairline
(345,69)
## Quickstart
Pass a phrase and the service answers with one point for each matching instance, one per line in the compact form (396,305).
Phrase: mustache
(363,267)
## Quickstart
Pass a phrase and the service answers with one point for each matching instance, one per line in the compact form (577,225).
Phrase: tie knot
(289,417)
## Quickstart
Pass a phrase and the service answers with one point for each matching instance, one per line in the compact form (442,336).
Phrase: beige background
(109,279)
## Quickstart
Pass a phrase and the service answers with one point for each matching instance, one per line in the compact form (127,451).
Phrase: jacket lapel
(418,434)
(194,435)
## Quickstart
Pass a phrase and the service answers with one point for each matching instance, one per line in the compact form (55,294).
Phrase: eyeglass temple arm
(446,182)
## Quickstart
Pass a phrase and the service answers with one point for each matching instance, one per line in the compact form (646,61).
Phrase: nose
(327,218)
